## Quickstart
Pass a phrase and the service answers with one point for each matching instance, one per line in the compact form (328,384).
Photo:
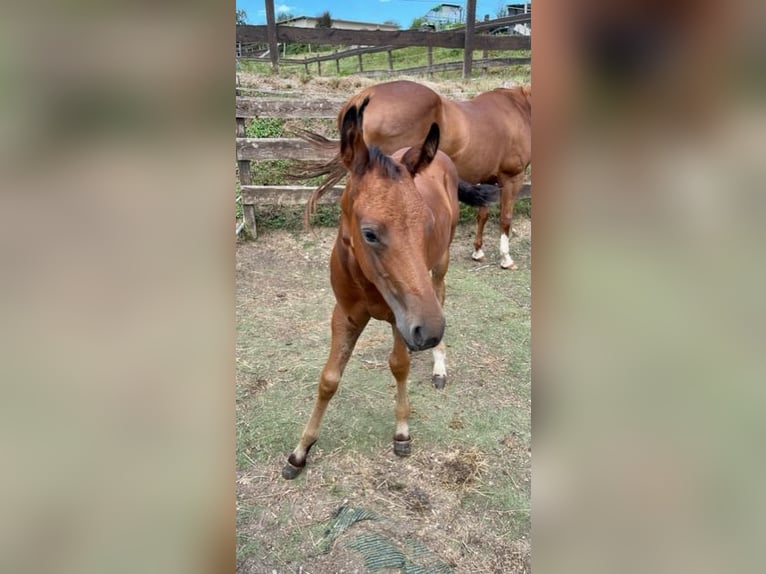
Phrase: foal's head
(389,225)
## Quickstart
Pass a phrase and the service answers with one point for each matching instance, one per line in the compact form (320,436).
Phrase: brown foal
(398,217)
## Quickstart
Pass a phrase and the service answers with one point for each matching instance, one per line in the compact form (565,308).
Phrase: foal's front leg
(345,332)
(399,363)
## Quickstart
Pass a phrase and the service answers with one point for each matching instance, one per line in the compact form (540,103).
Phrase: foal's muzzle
(424,335)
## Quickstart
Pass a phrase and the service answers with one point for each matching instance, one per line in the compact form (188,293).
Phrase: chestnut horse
(489,139)
(398,217)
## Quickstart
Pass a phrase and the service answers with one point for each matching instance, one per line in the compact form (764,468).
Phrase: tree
(283,16)
(324,20)
(241,16)
(417,23)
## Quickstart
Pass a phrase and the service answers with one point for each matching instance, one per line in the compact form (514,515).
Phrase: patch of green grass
(271,172)
(523,207)
(402,58)
(268,217)
(264,127)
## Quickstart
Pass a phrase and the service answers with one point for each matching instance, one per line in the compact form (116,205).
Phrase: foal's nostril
(422,339)
(417,335)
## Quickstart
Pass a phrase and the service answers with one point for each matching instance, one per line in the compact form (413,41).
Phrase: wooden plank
(290,108)
(262,149)
(344,54)
(248,217)
(287,195)
(240,127)
(447,66)
(501,22)
(284,195)
(398,38)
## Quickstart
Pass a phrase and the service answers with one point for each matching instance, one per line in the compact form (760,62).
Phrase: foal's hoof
(439,381)
(402,447)
(477,255)
(290,471)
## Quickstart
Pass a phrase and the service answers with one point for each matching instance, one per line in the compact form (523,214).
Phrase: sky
(401,11)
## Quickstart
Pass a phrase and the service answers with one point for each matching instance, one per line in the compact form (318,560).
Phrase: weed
(264,127)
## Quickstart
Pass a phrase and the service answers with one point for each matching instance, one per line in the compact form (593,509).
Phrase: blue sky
(401,11)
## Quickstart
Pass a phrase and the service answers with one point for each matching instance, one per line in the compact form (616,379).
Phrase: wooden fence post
(485,53)
(271,33)
(430,59)
(470,24)
(390,61)
(248,211)
(360,62)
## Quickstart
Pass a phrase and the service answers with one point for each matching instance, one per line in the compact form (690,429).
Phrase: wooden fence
(260,149)
(374,41)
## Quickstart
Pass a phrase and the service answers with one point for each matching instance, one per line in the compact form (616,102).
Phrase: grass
(290,218)
(410,57)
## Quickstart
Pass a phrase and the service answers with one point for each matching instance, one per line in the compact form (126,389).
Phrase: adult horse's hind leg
(439,377)
(399,363)
(511,188)
(481,219)
(345,332)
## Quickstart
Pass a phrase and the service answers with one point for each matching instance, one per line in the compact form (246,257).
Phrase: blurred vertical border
(117,258)
(648,312)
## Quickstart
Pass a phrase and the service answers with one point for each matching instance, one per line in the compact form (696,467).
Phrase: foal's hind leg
(511,187)
(481,219)
(399,363)
(345,332)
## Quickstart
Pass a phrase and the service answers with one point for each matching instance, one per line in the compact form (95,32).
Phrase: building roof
(338,23)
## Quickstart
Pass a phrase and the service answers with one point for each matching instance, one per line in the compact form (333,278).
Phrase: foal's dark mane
(385,163)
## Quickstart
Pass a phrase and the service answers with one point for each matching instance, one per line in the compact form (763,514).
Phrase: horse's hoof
(477,255)
(508,263)
(402,447)
(439,381)
(290,471)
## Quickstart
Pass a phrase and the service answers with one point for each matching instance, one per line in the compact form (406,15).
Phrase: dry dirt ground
(461,502)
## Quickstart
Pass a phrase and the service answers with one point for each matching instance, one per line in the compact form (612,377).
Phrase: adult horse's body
(398,217)
(488,138)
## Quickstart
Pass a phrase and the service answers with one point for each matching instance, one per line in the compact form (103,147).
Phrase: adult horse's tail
(477,195)
(333,170)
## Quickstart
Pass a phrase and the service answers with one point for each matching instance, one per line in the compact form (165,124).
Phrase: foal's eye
(370,236)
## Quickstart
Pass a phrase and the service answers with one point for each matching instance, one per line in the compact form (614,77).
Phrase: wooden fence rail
(247,34)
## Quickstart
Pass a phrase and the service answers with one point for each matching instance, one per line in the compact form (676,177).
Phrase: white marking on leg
(402,429)
(440,355)
(478,255)
(505,258)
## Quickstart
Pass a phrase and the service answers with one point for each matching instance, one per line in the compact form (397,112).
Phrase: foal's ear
(417,158)
(353,150)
